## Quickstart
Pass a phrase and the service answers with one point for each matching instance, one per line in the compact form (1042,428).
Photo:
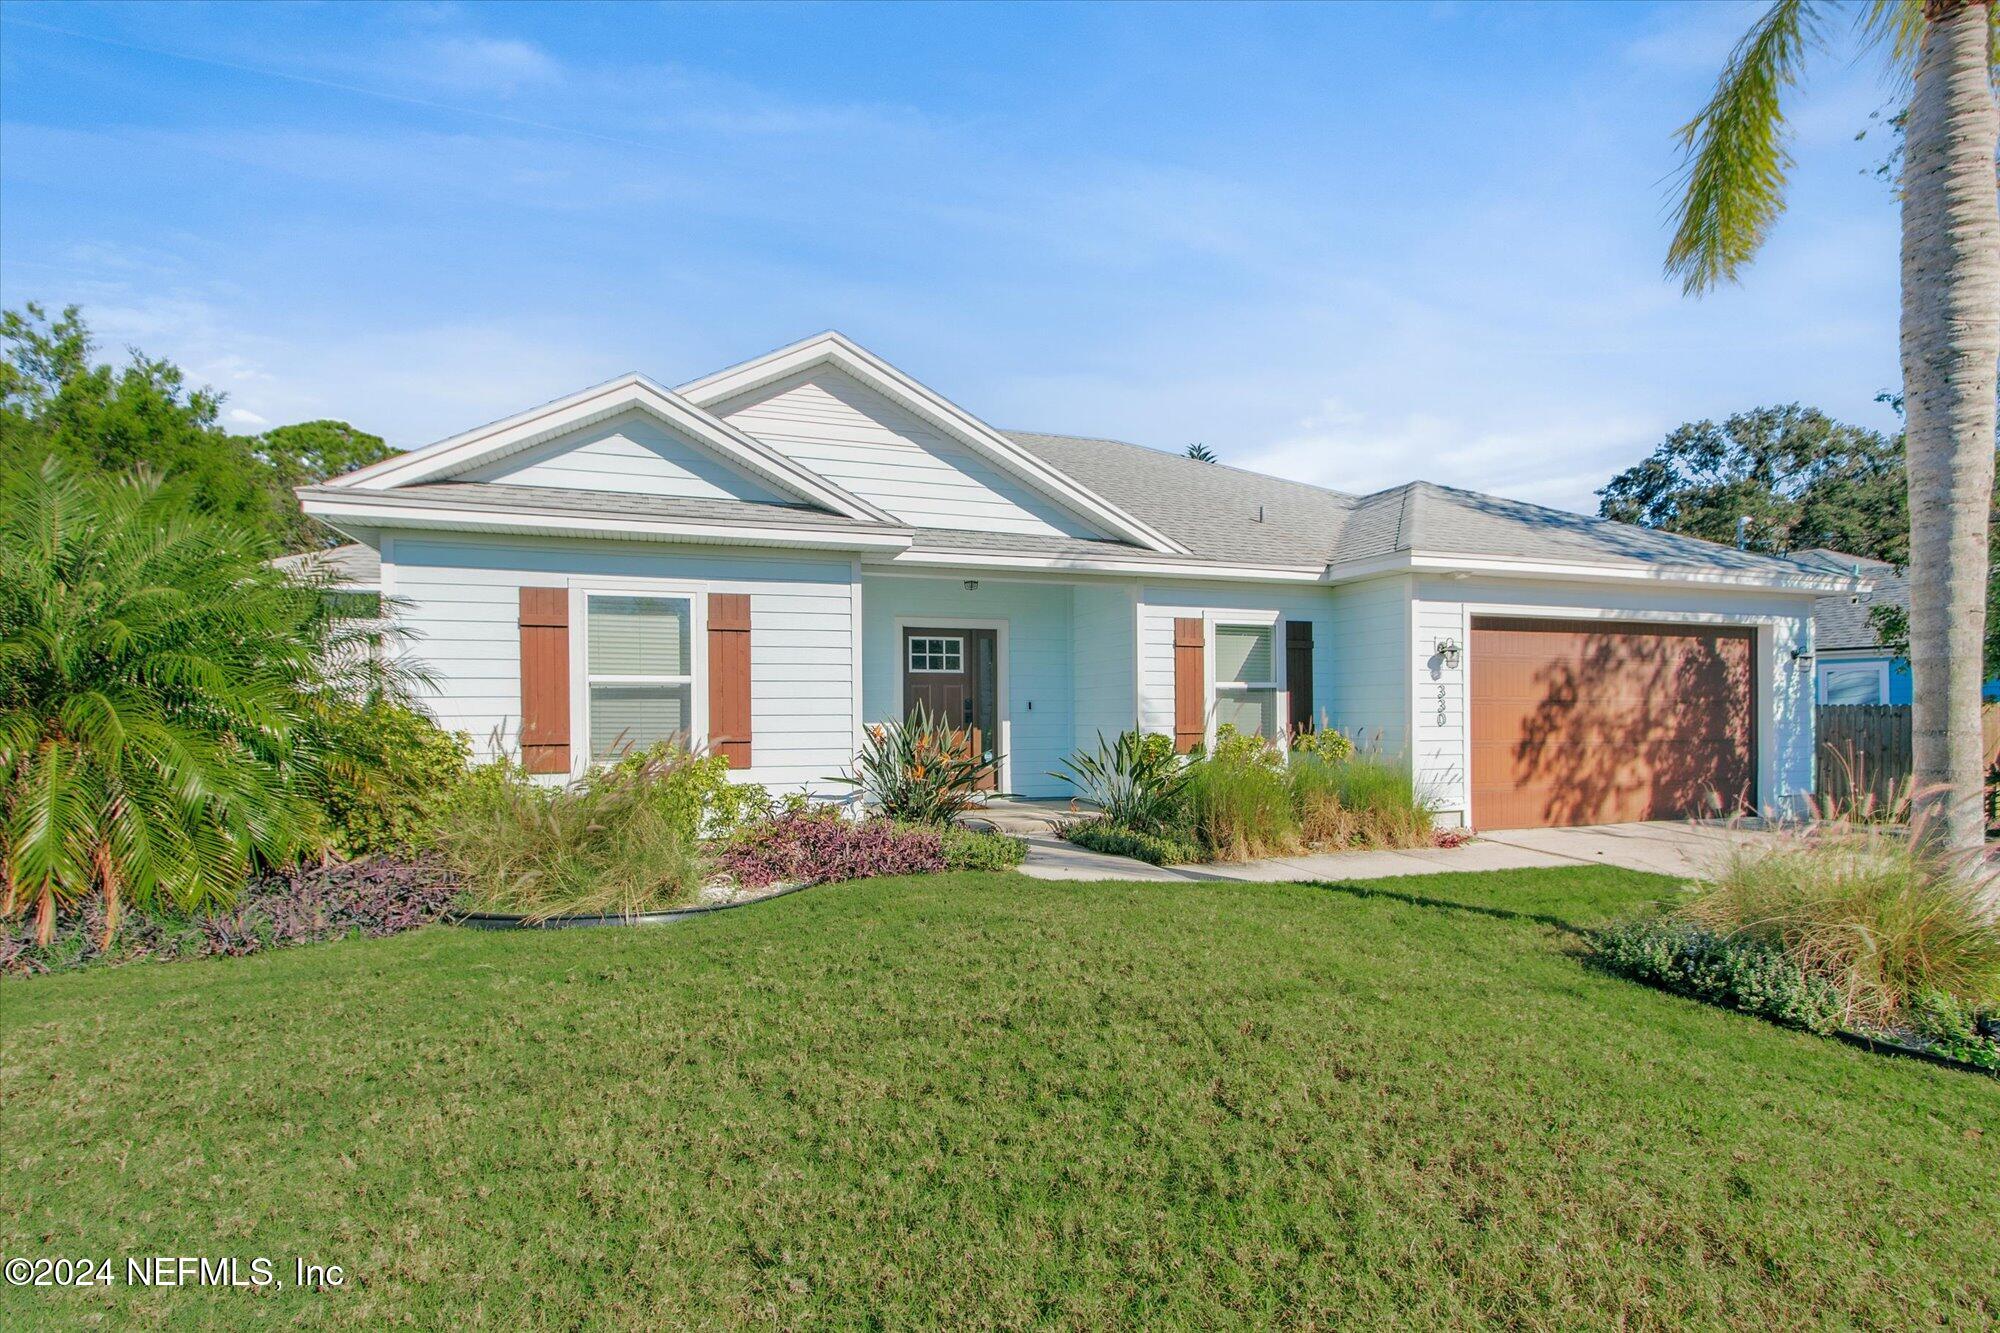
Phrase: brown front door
(954,673)
(1578,722)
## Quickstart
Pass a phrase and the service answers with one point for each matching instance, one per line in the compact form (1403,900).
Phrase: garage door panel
(1582,722)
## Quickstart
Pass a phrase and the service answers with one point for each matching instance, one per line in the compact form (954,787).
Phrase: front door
(954,673)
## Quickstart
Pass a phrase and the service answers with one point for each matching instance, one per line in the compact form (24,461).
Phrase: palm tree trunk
(1951,336)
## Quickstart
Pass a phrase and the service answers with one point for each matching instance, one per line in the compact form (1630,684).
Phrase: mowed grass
(982,1100)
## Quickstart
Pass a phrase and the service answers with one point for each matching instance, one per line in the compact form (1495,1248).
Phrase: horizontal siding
(1039,654)
(830,423)
(459,599)
(1103,638)
(633,453)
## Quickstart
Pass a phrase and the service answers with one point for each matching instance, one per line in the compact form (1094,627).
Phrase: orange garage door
(1576,722)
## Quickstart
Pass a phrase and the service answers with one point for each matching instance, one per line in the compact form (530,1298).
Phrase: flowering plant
(920,770)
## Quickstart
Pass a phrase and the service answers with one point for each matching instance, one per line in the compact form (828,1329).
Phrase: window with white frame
(937,654)
(639,664)
(1854,683)
(1247,684)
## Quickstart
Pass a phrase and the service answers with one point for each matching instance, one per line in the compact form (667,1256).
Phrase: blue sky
(1348,244)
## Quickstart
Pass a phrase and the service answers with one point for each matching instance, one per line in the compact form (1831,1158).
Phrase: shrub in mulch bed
(1102,835)
(809,847)
(376,897)
(1754,977)
(1739,974)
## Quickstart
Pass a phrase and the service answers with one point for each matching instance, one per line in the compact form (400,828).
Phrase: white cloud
(238,416)
(494,65)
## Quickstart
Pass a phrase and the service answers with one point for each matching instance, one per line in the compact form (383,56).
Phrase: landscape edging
(512,921)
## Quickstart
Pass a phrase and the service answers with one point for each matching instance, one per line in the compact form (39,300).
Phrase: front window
(940,654)
(1246,679)
(1853,685)
(641,672)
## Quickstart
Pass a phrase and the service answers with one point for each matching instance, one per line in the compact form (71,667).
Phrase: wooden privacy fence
(1864,751)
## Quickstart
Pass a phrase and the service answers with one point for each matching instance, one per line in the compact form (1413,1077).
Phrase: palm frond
(1732,187)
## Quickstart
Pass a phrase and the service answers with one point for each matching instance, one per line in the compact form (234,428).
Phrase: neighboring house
(773,556)
(353,567)
(1853,665)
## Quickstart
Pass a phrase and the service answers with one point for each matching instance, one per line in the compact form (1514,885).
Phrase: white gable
(634,453)
(830,423)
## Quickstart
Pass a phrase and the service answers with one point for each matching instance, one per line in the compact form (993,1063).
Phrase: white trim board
(1660,575)
(389,508)
(634,392)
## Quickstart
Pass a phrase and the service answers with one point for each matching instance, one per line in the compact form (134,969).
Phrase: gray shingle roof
(1210,508)
(1219,513)
(1215,510)
(1842,621)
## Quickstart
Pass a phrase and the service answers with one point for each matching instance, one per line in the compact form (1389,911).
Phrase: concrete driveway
(1679,848)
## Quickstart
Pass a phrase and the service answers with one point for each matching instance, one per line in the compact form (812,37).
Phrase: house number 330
(1441,700)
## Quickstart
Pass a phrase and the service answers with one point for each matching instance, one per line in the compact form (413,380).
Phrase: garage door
(1575,722)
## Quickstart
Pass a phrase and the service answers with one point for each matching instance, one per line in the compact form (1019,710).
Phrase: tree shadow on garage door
(1631,725)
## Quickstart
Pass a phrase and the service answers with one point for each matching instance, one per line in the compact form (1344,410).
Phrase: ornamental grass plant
(624,840)
(1880,912)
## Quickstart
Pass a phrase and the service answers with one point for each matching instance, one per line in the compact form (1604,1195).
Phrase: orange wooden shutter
(1190,684)
(729,676)
(545,680)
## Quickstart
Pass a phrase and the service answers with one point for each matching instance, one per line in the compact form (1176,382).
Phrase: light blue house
(1854,666)
(771,559)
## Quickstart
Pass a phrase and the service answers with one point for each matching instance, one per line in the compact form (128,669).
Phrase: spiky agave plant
(156,676)
(1734,190)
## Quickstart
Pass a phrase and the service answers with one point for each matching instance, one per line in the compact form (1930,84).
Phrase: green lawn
(985,1100)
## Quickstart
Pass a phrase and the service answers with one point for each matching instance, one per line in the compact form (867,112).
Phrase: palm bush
(1883,914)
(158,680)
(1137,781)
(921,770)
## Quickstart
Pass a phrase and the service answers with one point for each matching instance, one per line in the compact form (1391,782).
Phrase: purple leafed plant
(811,848)
(380,896)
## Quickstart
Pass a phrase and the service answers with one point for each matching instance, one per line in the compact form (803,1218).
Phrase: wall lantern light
(972,585)
(1449,650)
(1802,660)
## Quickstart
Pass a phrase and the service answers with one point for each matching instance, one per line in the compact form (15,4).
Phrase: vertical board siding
(1299,673)
(461,605)
(1190,682)
(835,426)
(1039,658)
(729,719)
(633,453)
(1784,691)
(544,622)
(1103,639)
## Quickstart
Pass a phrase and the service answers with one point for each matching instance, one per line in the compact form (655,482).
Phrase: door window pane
(937,654)
(1243,655)
(635,717)
(639,636)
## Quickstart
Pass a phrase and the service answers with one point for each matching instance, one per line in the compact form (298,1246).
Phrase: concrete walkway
(1667,848)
